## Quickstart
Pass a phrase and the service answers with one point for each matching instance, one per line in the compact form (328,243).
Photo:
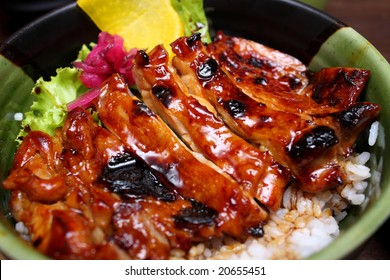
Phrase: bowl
(312,36)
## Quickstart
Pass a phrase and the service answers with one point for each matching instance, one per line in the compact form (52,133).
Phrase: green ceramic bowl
(314,37)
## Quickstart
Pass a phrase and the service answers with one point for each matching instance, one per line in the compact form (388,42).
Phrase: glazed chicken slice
(149,228)
(164,92)
(146,135)
(281,82)
(166,216)
(93,219)
(141,222)
(308,149)
(270,69)
(37,170)
(145,222)
(328,99)
(67,222)
(310,146)
(337,87)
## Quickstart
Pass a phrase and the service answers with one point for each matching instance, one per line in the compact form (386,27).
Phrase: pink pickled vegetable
(85,100)
(107,57)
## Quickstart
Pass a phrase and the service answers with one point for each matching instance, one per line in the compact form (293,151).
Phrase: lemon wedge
(142,24)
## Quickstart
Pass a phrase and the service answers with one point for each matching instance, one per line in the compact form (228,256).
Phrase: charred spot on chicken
(130,177)
(311,144)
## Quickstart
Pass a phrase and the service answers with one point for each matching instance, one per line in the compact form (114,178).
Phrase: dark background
(370,18)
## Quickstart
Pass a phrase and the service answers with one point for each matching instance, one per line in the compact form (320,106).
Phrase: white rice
(373,133)
(23,231)
(302,226)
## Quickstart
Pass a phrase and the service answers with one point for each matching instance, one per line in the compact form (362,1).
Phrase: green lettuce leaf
(193,17)
(48,111)
(84,51)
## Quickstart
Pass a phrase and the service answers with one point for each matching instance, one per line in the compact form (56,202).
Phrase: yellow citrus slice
(143,24)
